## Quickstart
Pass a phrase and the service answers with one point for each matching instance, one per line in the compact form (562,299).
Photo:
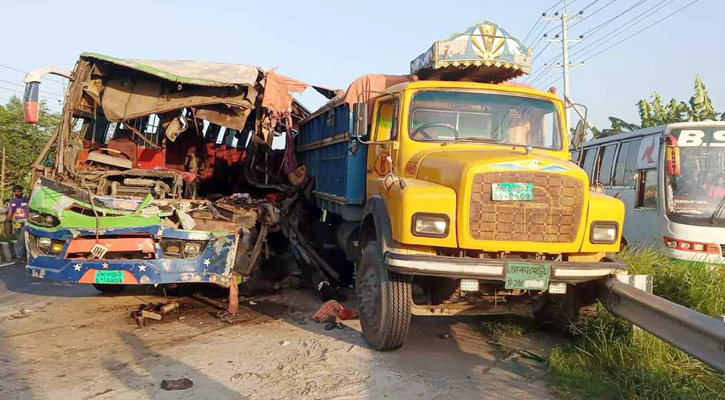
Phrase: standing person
(16,216)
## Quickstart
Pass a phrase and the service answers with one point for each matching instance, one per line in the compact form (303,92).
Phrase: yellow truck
(456,197)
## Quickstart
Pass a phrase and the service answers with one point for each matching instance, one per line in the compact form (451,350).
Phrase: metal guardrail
(694,333)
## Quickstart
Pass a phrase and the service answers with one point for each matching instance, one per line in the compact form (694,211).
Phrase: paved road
(71,342)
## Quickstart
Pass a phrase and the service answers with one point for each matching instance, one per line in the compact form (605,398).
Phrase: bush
(611,360)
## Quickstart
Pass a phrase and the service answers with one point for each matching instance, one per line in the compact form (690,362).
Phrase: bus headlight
(178,248)
(42,219)
(192,249)
(430,225)
(604,232)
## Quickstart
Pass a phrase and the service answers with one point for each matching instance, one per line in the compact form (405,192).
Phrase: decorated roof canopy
(484,52)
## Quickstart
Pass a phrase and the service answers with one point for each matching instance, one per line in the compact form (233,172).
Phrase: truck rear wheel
(383,301)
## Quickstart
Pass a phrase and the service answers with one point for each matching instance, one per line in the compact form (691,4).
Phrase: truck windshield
(694,194)
(446,116)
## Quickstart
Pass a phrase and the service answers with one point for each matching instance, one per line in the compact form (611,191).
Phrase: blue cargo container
(334,159)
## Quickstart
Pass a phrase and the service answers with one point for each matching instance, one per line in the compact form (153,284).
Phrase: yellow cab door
(384,147)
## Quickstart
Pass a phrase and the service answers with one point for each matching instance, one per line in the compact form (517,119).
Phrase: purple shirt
(18,208)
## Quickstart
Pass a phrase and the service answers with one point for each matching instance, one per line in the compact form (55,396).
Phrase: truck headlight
(431,225)
(604,232)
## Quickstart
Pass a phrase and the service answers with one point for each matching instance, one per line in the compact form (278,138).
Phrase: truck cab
(469,203)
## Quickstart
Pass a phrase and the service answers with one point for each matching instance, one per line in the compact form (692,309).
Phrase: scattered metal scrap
(155,311)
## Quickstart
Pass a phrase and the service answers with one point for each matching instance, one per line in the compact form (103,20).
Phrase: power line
(12,83)
(610,20)
(627,26)
(25,72)
(21,92)
(533,27)
(552,82)
(23,86)
(591,4)
(643,29)
(540,53)
(554,6)
(592,13)
(533,47)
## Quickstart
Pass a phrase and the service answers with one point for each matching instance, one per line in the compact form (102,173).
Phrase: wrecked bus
(134,185)
(457,197)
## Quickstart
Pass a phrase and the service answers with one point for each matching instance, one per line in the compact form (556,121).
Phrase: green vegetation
(609,360)
(655,112)
(22,142)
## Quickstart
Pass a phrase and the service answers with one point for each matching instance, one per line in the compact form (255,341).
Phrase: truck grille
(553,216)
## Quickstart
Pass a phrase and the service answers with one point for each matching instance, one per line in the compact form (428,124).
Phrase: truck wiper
(718,210)
(473,139)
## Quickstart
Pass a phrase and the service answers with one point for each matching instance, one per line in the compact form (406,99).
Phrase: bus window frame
(595,149)
(615,182)
(641,186)
(602,152)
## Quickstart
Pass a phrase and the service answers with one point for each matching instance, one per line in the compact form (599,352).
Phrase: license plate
(109,277)
(527,276)
(512,191)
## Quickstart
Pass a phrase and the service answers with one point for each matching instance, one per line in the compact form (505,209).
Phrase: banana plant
(700,103)
(655,112)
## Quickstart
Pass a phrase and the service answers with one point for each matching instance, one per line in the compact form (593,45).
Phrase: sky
(330,43)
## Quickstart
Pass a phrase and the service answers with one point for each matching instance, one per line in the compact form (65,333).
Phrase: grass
(6,237)
(609,360)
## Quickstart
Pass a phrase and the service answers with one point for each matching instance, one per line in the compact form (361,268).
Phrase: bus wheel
(383,301)
(111,289)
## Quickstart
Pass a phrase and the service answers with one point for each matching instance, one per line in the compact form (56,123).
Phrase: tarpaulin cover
(191,72)
(364,88)
(278,92)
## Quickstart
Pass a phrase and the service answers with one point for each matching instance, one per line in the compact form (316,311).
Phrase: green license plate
(527,276)
(109,277)
(512,191)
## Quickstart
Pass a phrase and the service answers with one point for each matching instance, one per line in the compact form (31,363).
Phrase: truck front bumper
(494,269)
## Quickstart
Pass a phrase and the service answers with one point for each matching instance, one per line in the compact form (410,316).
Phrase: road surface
(65,341)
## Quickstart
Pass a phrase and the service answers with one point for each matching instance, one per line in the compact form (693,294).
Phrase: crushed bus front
(153,176)
(126,244)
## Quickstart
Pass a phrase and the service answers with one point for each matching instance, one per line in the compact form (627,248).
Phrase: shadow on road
(13,382)
(151,367)
(14,279)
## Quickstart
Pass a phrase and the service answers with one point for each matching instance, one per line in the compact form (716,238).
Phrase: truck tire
(383,301)
(110,289)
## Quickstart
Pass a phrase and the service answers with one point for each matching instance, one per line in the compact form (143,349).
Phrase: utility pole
(564,38)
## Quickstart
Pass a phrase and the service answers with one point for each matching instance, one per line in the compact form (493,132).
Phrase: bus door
(642,221)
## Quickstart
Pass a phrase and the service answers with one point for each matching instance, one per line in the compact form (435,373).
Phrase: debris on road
(178,384)
(332,312)
(328,311)
(155,311)
(334,324)
(22,313)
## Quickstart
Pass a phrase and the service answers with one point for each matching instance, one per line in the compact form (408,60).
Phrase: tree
(23,142)
(654,112)
(701,108)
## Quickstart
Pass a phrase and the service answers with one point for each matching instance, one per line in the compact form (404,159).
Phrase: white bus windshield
(694,194)
(445,116)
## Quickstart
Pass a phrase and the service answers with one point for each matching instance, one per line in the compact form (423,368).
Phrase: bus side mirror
(31,102)
(360,120)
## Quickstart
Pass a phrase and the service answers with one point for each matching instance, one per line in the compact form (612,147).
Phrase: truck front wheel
(383,301)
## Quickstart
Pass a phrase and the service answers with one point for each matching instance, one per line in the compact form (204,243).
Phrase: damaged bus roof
(189,72)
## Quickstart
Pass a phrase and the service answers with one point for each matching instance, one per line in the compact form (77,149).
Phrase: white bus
(671,179)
